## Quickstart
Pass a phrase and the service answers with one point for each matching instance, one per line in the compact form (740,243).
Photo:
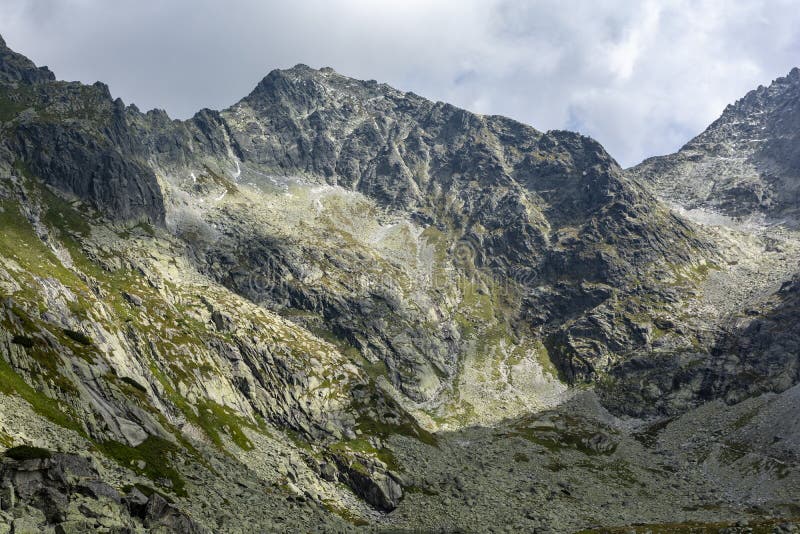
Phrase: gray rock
(133,299)
(372,482)
(161,514)
(746,162)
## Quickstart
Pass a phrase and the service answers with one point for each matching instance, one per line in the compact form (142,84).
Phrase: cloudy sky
(640,76)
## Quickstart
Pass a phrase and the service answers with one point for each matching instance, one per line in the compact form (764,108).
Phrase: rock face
(741,172)
(371,481)
(16,68)
(746,163)
(756,353)
(91,151)
(548,215)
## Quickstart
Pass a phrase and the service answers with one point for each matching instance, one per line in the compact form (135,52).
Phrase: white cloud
(640,76)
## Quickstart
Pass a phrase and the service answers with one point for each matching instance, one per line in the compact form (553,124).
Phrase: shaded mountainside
(738,180)
(77,139)
(747,162)
(318,308)
(756,351)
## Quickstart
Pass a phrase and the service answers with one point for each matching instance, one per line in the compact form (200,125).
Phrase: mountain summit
(746,163)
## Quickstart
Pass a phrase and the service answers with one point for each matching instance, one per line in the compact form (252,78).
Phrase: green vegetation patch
(214,417)
(569,435)
(12,383)
(152,458)
(27,452)
(19,242)
(62,215)
(365,447)
(80,337)
(13,102)
(345,514)
(406,427)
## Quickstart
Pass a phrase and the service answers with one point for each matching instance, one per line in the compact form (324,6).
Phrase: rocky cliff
(77,139)
(549,215)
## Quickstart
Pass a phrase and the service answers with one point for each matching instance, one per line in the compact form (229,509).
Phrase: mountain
(739,180)
(747,163)
(337,305)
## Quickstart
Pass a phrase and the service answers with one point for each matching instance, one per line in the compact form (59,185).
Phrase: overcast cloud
(642,77)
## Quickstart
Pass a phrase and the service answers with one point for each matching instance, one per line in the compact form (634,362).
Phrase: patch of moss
(406,427)
(23,341)
(345,514)
(151,458)
(78,308)
(19,242)
(649,436)
(365,447)
(12,103)
(214,417)
(572,436)
(745,419)
(221,181)
(27,452)
(61,215)
(731,453)
(12,383)
(80,337)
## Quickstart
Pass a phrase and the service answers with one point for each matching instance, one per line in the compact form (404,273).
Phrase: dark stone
(162,514)
(373,483)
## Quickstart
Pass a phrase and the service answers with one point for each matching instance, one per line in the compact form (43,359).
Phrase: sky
(640,76)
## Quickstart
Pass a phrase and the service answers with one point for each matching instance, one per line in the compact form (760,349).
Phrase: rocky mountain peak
(76,138)
(745,163)
(16,68)
(757,110)
(309,89)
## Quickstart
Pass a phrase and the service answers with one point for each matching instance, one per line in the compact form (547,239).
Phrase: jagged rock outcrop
(77,139)
(16,68)
(549,212)
(744,167)
(549,215)
(371,480)
(756,353)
